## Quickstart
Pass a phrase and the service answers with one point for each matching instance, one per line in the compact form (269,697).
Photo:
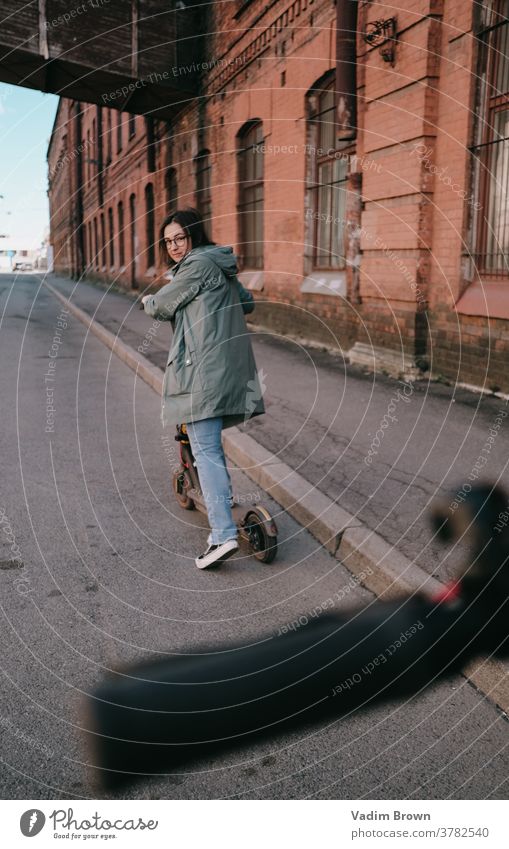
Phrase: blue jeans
(206,445)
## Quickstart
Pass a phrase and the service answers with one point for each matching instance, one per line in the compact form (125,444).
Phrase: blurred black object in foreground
(161,713)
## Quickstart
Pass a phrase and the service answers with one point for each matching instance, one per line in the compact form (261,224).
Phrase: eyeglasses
(177,242)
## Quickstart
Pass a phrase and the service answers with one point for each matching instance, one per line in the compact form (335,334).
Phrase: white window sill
(325,283)
(252,280)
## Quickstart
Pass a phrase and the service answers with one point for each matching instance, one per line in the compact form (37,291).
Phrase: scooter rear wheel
(263,546)
(179,488)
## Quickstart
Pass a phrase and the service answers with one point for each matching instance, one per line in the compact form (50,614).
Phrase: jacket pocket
(173,383)
(182,374)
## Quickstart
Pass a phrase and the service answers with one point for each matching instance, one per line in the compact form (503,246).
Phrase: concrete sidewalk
(341,448)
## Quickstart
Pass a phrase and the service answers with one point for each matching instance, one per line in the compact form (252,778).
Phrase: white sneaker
(217,553)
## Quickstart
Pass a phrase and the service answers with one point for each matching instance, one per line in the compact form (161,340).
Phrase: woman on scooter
(210,380)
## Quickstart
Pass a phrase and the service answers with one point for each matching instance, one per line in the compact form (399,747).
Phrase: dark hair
(192,224)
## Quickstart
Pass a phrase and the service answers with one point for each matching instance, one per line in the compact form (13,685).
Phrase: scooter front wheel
(180,490)
(263,545)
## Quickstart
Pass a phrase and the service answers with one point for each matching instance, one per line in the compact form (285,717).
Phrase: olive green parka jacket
(211,370)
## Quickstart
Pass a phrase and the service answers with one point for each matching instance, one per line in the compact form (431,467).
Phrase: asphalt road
(324,417)
(97,570)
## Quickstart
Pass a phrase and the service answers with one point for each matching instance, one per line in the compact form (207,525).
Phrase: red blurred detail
(450,592)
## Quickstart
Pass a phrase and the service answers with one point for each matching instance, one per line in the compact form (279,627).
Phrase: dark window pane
(111,237)
(171,190)
(121,249)
(250,170)
(103,242)
(328,184)
(150,224)
(497,237)
(119,132)
(325,119)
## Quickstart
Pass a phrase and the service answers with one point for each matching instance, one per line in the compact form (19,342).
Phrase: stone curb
(324,519)
(378,565)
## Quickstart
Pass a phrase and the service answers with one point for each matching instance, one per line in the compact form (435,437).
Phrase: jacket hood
(222,255)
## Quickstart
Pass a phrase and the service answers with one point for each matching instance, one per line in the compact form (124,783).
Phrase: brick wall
(408,227)
(59,174)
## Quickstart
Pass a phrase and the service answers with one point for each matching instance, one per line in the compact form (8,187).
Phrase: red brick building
(385,235)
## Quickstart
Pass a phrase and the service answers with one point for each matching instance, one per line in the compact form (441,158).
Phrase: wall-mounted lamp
(382,34)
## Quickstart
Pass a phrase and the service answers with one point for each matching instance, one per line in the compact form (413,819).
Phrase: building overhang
(141,56)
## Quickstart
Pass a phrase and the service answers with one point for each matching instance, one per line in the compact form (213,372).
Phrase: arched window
(96,245)
(103,242)
(109,146)
(90,257)
(203,170)
(93,153)
(150,224)
(491,141)
(170,180)
(88,169)
(133,242)
(250,204)
(327,178)
(119,131)
(151,143)
(121,247)
(112,237)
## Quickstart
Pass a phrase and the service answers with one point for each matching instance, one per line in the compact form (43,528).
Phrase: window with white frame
(491,144)
(327,172)
(250,198)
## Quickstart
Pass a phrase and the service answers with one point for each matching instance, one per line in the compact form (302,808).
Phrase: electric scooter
(256,526)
